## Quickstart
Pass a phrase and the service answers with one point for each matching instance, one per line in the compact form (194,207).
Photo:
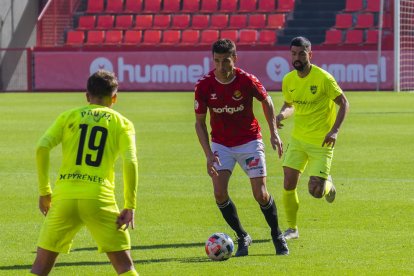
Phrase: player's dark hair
(301,41)
(224,46)
(102,84)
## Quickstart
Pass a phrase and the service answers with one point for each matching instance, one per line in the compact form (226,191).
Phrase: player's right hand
(211,160)
(279,119)
(45,203)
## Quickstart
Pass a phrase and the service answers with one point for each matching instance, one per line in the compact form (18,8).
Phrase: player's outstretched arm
(269,112)
(331,137)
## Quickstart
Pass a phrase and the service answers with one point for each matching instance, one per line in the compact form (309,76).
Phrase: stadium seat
(171,6)
(333,37)
(354,37)
(95,37)
(209,6)
(372,37)
(200,21)
(364,21)
(133,6)
(161,21)
(247,5)
(266,6)
(275,21)
(152,37)
(387,21)
(248,37)
(180,21)
(267,37)
(123,21)
(257,21)
(75,38)
(171,37)
(209,36)
(113,37)
(238,21)
(132,37)
(219,21)
(152,6)
(114,6)
(95,6)
(191,6)
(285,5)
(86,22)
(344,21)
(143,21)
(190,37)
(228,6)
(354,5)
(229,34)
(105,22)
(373,6)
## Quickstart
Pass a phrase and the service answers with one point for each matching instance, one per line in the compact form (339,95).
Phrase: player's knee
(316,185)
(261,198)
(221,197)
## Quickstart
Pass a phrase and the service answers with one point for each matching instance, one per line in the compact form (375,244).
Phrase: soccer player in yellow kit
(92,138)
(311,93)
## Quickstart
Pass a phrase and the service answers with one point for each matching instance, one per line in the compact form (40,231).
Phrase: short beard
(300,67)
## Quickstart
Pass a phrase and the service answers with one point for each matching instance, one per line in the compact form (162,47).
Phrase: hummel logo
(291,90)
(213,96)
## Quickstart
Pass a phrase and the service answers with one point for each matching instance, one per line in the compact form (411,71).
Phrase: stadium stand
(114,6)
(75,38)
(95,37)
(354,37)
(133,6)
(247,6)
(123,21)
(113,37)
(86,22)
(344,21)
(132,37)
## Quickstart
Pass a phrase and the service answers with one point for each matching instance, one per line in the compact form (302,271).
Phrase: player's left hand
(276,143)
(126,218)
(45,203)
(330,139)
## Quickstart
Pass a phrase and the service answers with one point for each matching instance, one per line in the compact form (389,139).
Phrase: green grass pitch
(368,230)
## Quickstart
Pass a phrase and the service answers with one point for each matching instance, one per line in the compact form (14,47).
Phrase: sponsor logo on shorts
(253,164)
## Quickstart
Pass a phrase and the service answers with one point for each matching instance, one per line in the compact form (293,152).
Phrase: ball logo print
(219,247)
(101,63)
(277,68)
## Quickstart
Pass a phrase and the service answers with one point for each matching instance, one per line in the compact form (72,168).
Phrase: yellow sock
(291,203)
(328,186)
(132,272)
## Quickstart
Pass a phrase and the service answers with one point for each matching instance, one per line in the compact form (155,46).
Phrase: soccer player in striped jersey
(312,94)
(92,137)
(228,93)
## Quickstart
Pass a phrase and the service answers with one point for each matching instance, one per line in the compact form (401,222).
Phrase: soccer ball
(219,247)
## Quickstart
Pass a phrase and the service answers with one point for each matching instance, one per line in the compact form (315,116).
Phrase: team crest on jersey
(213,96)
(237,95)
(313,89)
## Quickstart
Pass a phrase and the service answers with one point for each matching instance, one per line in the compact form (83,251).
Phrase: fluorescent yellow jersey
(312,98)
(92,138)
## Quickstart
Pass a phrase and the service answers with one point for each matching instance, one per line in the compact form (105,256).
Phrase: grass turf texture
(367,230)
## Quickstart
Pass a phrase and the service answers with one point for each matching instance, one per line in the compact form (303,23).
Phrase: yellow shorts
(300,155)
(67,216)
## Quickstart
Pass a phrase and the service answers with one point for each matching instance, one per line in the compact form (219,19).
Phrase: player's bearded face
(300,57)
(299,65)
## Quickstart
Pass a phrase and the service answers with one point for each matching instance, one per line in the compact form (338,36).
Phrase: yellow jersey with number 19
(92,138)
(312,98)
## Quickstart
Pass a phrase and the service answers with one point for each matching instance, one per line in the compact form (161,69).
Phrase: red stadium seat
(354,37)
(209,36)
(161,21)
(229,34)
(180,21)
(267,5)
(372,37)
(373,6)
(190,37)
(228,6)
(143,21)
(276,21)
(114,6)
(209,6)
(75,38)
(171,37)
(191,6)
(354,5)
(333,37)
(113,37)
(132,37)
(285,5)
(364,21)
(219,21)
(344,21)
(152,6)
(152,37)
(257,21)
(247,37)
(133,6)
(123,21)
(86,22)
(267,37)
(247,5)
(105,22)
(95,6)
(200,21)
(387,22)
(238,21)
(95,37)
(171,6)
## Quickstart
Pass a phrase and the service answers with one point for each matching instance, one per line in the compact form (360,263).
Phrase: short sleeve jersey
(92,138)
(231,107)
(312,98)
